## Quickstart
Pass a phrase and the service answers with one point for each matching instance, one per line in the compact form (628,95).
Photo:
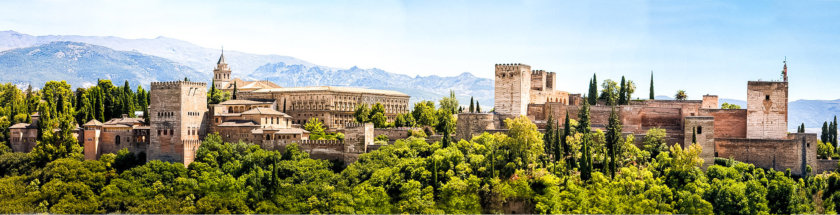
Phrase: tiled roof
(238,123)
(93,122)
(264,111)
(245,102)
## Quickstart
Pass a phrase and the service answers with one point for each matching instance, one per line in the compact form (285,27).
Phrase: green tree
(584,128)
(651,85)
(729,106)
(362,113)
(824,132)
(680,95)
(449,103)
(622,92)
(234,91)
(654,141)
(613,138)
(609,92)
(567,152)
(472,107)
(315,128)
(593,90)
(425,114)
(446,126)
(477,107)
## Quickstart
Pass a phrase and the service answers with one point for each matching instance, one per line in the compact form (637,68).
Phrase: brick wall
(793,152)
(729,123)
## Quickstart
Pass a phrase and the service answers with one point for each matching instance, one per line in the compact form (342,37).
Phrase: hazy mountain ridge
(419,87)
(284,70)
(82,64)
(199,58)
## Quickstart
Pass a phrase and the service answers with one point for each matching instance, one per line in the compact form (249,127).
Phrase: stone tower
(178,121)
(767,108)
(221,74)
(513,85)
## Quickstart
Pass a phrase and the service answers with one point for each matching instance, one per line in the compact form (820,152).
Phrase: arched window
(117,140)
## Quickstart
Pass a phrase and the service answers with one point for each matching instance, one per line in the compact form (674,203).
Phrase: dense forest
(563,170)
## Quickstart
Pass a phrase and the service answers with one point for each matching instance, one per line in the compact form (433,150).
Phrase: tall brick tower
(221,74)
(767,108)
(513,85)
(177,115)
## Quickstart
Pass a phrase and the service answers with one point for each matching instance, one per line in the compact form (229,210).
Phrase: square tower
(178,122)
(513,85)
(767,108)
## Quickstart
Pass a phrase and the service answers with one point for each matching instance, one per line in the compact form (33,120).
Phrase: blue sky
(704,47)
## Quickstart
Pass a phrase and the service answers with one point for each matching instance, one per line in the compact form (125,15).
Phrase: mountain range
(283,70)
(81,60)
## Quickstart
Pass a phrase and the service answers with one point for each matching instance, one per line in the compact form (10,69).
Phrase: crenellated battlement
(537,72)
(172,84)
(511,66)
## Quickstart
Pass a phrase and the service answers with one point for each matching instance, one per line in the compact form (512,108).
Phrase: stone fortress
(271,116)
(264,114)
(756,135)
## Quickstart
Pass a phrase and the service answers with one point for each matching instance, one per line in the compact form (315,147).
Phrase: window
(766,97)
(117,140)
(699,129)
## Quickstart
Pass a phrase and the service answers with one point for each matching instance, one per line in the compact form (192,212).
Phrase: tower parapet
(178,120)
(513,85)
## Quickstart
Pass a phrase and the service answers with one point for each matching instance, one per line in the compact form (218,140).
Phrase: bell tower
(221,74)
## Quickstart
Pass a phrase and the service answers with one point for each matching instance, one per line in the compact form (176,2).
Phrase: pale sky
(704,47)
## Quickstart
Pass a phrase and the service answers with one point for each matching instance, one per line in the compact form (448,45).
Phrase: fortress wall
(728,123)
(472,124)
(794,152)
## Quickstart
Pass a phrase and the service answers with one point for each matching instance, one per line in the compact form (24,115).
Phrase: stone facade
(177,111)
(517,86)
(471,124)
(221,74)
(512,88)
(24,136)
(115,134)
(701,128)
(756,135)
(334,106)
(253,121)
(767,109)
(710,102)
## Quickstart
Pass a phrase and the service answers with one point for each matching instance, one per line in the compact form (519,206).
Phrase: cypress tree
(557,144)
(622,91)
(570,160)
(477,107)
(584,127)
(593,90)
(651,85)
(472,107)
(833,131)
(824,134)
(613,137)
(548,136)
(234,91)
(284,105)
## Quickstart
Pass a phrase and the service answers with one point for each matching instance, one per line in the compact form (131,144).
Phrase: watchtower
(177,115)
(513,85)
(767,108)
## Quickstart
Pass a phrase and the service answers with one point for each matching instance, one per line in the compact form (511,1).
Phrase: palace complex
(757,134)
(272,116)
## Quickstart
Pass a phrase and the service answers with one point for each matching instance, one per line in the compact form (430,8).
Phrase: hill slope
(82,64)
